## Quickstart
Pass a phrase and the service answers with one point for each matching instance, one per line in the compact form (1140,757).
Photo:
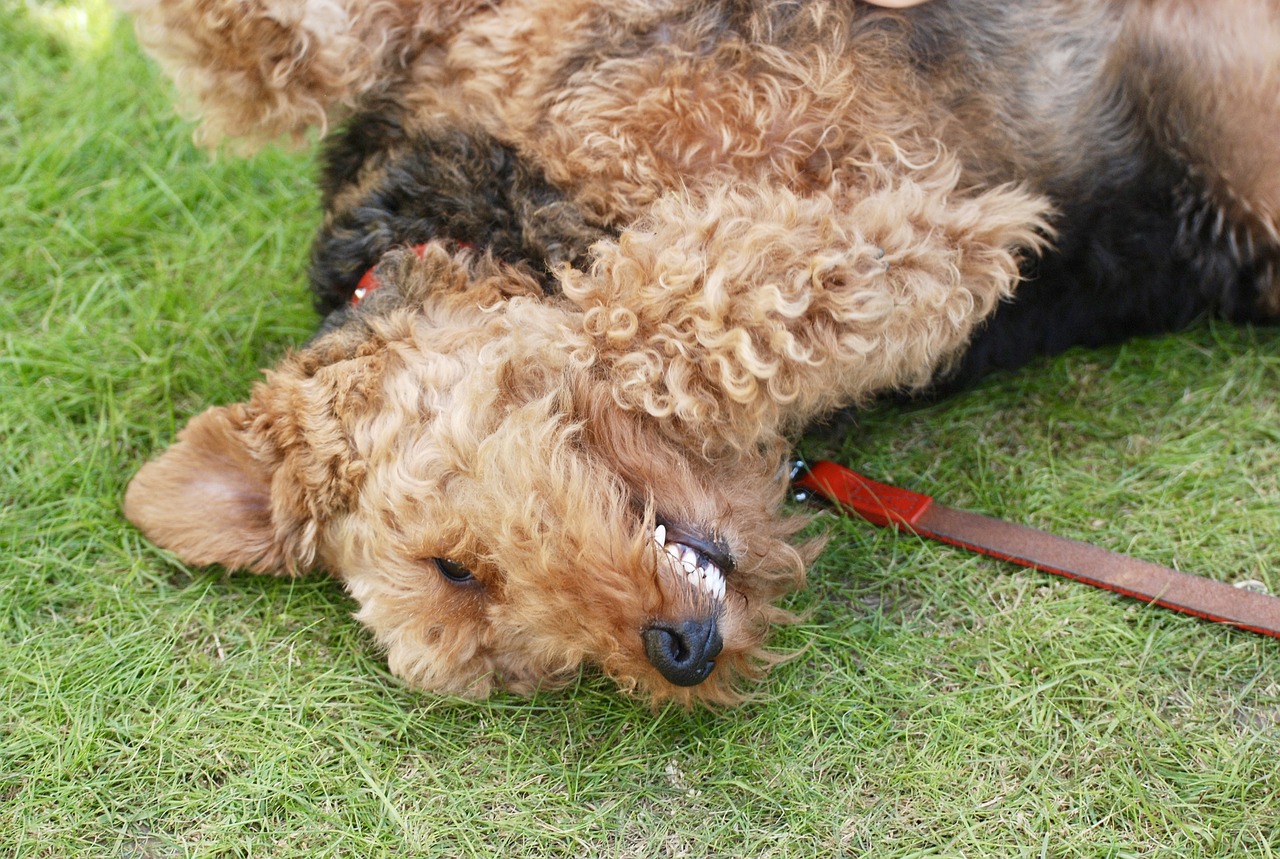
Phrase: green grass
(943,704)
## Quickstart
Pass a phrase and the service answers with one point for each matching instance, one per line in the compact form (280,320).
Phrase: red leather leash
(885,505)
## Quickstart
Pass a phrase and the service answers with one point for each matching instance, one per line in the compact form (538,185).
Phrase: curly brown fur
(260,70)
(803,204)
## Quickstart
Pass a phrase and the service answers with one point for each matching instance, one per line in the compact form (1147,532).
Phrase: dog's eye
(453,571)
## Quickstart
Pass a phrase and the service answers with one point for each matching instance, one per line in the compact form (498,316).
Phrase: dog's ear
(208,497)
(251,486)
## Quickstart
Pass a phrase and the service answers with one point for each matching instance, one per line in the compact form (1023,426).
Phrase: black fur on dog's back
(1126,262)
(1058,96)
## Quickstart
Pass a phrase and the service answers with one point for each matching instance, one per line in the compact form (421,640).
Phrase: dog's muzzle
(684,652)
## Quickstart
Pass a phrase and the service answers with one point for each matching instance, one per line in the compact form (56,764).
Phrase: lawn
(940,704)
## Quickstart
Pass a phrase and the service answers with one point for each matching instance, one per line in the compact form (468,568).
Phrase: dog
(625,252)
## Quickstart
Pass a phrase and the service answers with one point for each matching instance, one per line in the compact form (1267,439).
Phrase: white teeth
(712,581)
(700,572)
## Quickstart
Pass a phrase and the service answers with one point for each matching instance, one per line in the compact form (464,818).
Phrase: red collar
(369,282)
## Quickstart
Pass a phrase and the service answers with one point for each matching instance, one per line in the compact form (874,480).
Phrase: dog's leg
(258,70)
(749,312)
(1206,79)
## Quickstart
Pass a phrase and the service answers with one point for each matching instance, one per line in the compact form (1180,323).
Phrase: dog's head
(460,462)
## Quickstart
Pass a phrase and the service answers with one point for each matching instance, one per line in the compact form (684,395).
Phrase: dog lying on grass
(654,241)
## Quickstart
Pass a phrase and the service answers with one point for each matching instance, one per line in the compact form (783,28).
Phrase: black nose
(684,652)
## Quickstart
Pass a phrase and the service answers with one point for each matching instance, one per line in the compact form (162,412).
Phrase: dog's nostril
(685,652)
